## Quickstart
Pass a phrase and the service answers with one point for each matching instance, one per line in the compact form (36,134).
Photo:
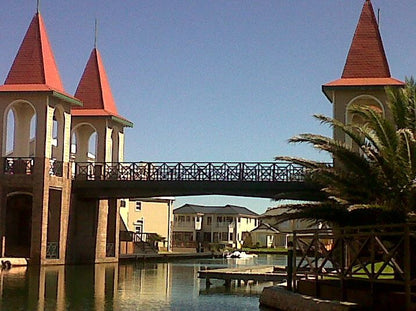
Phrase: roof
(265,227)
(95,92)
(34,68)
(219,210)
(35,61)
(366,63)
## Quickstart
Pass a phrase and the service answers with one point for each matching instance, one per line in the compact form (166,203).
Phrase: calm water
(136,286)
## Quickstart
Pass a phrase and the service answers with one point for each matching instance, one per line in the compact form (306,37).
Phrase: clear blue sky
(217,80)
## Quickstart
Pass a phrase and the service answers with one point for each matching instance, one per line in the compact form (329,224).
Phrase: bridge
(146,179)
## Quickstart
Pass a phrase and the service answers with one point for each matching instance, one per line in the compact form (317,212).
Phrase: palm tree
(374,178)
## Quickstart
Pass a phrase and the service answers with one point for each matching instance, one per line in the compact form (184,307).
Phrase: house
(274,231)
(228,225)
(148,216)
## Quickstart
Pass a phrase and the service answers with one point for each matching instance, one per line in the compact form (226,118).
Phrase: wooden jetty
(245,274)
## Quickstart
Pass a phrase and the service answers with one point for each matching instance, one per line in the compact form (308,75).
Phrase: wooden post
(407,283)
(289,265)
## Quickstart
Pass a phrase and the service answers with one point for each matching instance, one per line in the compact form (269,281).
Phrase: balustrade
(18,165)
(182,171)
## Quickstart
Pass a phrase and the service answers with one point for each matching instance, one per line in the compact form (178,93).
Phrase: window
(138,206)
(122,203)
(231,236)
(238,219)
(209,220)
(219,219)
(188,218)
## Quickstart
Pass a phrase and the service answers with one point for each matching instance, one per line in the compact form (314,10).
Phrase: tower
(98,138)
(35,179)
(366,73)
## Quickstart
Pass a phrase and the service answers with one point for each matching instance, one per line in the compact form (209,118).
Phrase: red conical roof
(366,58)
(366,62)
(94,91)
(34,63)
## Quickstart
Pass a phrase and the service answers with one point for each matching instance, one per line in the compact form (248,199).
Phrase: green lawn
(277,250)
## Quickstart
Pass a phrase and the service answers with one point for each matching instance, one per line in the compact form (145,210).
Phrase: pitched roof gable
(223,210)
(35,62)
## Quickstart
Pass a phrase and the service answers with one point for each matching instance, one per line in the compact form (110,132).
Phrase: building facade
(149,216)
(227,225)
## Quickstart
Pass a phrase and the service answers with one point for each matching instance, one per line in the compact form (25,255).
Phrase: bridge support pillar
(94,231)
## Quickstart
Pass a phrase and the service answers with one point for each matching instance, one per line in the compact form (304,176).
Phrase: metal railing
(188,171)
(25,165)
(56,168)
(18,165)
(52,250)
(143,238)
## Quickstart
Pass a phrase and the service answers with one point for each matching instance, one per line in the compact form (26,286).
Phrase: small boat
(238,254)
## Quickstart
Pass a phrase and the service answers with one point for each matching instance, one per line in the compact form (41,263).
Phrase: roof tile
(35,62)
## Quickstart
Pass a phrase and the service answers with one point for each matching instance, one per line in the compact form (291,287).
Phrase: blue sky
(213,80)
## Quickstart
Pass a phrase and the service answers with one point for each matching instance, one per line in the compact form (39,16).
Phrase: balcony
(18,165)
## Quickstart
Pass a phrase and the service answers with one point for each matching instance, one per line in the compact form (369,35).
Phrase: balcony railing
(203,171)
(56,168)
(18,166)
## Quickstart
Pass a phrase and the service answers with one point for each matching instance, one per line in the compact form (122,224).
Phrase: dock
(245,274)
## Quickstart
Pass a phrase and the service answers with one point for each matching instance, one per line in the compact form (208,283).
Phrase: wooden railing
(187,171)
(380,254)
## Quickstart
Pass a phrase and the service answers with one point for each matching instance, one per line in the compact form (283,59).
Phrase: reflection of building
(148,215)
(212,224)
(151,285)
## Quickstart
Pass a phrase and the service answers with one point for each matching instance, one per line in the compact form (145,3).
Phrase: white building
(228,225)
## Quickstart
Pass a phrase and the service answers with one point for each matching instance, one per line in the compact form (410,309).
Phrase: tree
(374,178)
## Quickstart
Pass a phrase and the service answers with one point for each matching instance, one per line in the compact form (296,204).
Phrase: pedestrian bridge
(147,179)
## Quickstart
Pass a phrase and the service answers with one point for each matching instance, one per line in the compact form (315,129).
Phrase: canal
(134,286)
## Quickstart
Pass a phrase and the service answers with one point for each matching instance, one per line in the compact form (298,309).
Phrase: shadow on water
(136,286)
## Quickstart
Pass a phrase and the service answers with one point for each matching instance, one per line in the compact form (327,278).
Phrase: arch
(18,224)
(84,144)
(364,100)
(23,138)
(367,100)
(115,139)
(57,139)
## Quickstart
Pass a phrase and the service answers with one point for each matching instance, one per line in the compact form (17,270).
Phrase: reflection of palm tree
(374,178)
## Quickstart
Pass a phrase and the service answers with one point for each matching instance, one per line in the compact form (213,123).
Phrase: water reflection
(137,286)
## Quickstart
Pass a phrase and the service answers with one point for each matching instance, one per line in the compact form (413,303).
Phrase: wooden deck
(246,274)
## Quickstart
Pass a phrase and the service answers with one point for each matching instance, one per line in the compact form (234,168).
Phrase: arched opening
(363,101)
(19,139)
(92,147)
(18,225)
(57,135)
(84,143)
(9,133)
(115,138)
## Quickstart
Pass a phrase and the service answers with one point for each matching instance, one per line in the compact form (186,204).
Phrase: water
(135,286)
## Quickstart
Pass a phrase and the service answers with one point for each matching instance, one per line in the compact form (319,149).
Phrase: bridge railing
(190,171)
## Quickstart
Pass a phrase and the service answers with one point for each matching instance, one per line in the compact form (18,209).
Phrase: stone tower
(97,138)
(35,179)
(366,73)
